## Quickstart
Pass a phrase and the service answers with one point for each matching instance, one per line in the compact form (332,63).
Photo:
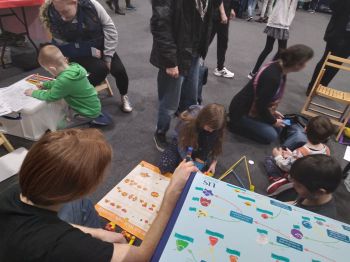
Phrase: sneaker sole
(158,147)
(281,189)
(220,75)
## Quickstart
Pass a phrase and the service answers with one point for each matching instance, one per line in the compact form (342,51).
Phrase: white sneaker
(251,75)
(224,73)
(126,105)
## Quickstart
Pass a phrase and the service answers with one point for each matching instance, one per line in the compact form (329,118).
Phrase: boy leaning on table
(71,84)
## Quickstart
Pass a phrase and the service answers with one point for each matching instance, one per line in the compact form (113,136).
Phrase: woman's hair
(64,166)
(296,54)
(213,116)
(43,14)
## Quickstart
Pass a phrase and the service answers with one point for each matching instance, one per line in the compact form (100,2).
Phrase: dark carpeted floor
(131,134)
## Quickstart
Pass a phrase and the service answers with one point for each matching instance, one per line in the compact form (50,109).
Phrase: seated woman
(63,167)
(253,111)
(86,34)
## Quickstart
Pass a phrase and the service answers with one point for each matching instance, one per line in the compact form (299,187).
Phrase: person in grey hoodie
(277,28)
(86,34)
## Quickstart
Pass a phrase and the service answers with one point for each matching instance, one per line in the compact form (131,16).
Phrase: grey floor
(131,134)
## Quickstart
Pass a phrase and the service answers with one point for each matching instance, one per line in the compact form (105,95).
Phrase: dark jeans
(254,129)
(221,32)
(296,137)
(80,212)
(270,41)
(176,94)
(98,71)
(338,48)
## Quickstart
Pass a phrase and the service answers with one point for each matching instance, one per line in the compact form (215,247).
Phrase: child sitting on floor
(318,130)
(71,84)
(201,128)
(315,178)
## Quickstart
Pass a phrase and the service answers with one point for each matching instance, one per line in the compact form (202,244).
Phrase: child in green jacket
(71,84)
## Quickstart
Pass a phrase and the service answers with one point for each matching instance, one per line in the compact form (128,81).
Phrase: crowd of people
(47,217)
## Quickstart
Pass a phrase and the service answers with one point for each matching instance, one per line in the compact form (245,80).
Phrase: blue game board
(216,221)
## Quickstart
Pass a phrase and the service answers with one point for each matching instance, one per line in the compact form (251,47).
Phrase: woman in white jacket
(277,28)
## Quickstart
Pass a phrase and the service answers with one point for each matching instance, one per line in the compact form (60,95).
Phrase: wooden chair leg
(109,88)
(6,143)
(342,127)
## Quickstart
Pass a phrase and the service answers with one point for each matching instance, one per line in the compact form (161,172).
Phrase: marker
(189,154)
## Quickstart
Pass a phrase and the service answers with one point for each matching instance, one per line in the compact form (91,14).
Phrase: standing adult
(86,34)
(117,8)
(251,9)
(181,35)
(253,111)
(337,39)
(277,28)
(266,11)
(221,22)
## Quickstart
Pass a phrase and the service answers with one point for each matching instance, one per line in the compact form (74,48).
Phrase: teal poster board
(217,221)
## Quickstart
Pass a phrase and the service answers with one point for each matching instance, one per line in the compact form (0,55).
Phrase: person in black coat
(337,37)
(181,32)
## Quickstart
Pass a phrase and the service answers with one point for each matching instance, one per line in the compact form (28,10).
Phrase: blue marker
(189,154)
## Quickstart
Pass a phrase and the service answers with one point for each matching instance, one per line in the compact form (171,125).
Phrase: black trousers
(270,41)
(339,48)
(116,3)
(98,71)
(221,31)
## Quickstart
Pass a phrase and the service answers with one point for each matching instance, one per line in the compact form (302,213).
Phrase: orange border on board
(122,222)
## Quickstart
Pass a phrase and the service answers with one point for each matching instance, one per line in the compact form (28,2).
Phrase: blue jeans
(80,212)
(254,129)
(176,94)
(251,7)
(296,137)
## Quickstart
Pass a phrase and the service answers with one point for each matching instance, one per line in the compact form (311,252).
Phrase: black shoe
(119,12)
(160,141)
(110,5)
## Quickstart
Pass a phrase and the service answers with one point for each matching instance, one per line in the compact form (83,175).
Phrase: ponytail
(295,55)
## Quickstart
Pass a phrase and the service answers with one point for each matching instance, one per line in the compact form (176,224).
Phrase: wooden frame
(104,85)
(6,143)
(338,117)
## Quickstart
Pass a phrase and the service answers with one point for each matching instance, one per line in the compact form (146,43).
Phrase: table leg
(27,29)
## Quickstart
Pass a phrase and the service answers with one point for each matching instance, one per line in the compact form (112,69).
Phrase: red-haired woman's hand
(181,175)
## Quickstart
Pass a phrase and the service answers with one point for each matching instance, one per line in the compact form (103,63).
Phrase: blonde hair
(50,55)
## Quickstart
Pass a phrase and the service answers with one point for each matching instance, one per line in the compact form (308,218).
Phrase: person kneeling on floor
(315,178)
(71,84)
(318,131)
(253,111)
(47,218)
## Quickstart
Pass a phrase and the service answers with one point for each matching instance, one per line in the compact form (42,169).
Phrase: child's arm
(282,162)
(48,84)
(57,90)
(212,167)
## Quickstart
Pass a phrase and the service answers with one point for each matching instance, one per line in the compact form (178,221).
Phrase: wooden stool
(6,143)
(104,85)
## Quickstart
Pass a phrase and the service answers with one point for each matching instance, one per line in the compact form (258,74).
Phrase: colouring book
(134,203)
(217,221)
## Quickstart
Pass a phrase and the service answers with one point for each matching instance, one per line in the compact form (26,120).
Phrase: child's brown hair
(64,166)
(319,129)
(213,116)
